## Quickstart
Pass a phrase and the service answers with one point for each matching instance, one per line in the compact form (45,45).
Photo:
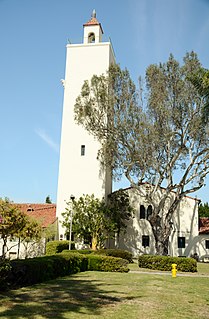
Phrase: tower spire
(94,15)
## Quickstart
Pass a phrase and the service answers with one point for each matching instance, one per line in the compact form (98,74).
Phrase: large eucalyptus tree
(150,134)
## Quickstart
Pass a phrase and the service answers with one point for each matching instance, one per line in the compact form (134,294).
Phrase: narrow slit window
(142,212)
(207,244)
(82,150)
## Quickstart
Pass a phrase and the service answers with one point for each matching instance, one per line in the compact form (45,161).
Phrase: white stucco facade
(79,170)
(184,227)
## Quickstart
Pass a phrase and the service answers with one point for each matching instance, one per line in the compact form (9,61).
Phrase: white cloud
(47,139)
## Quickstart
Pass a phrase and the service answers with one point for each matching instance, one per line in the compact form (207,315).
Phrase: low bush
(119,253)
(5,268)
(165,263)
(107,263)
(30,271)
(25,272)
(57,246)
(80,251)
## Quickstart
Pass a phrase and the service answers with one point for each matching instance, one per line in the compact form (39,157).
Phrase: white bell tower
(79,170)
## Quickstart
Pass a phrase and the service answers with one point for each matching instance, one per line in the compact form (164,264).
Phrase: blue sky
(33,36)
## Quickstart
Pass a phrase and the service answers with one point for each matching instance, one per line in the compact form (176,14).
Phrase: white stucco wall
(185,224)
(78,174)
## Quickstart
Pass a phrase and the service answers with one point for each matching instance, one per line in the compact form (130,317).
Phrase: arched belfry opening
(92,30)
(91,37)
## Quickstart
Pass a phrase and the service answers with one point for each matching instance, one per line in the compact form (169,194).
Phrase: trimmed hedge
(119,253)
(57,246)
(165,263)
(30,271)
(5,268)
(80,251)
(25,272)
(107,263)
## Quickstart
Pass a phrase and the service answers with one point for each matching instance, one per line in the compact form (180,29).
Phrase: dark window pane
(82,150)
(142,212)
(207,244)
(145,241)
(181,242)
(149,211)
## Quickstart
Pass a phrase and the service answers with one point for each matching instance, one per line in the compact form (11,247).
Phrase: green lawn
(98,295)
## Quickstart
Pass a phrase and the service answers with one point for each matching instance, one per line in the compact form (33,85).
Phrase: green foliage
(14,223)
(119,253)
(107,263)
(88,219)
(201,81)
(57,246)
(48,200)
(5,268)
(30,271)
(119,210)
(93,218)
(24,272)
(164,263)
(203,210)
(149,134)
(80,251)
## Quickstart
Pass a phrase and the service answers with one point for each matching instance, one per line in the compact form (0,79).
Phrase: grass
(96,295)
(202,268)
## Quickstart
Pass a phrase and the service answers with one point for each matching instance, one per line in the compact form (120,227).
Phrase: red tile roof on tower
(93,21)
(45,214)
(204,225)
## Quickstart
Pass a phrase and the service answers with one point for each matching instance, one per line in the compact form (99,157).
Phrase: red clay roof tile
(44,213)
(204,225)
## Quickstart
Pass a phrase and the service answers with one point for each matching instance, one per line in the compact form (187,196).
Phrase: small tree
(48,200)
(29,236)
(12,223)
(203,210)
(88,219)
(15,224)
(119,212)
(94,219)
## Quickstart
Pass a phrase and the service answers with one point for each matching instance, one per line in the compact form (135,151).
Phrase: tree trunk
(94,242)
(4,250)
(161,247)
(161,231)
(116,240)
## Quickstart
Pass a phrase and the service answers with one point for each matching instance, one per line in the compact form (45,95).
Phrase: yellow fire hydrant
(174,270)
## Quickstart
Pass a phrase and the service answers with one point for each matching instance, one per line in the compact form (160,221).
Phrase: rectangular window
(145,241)
(181,242)
(207,244)
(82,150)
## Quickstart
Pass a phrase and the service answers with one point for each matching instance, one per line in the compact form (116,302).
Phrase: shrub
(5,268)
(81,251)
(24,272)
(107,263)
(30,271)
(57,246)
(119,253)
(164,263)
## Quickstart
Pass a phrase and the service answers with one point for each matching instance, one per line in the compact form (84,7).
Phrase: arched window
(149,211)
(142,212)
(91,37)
